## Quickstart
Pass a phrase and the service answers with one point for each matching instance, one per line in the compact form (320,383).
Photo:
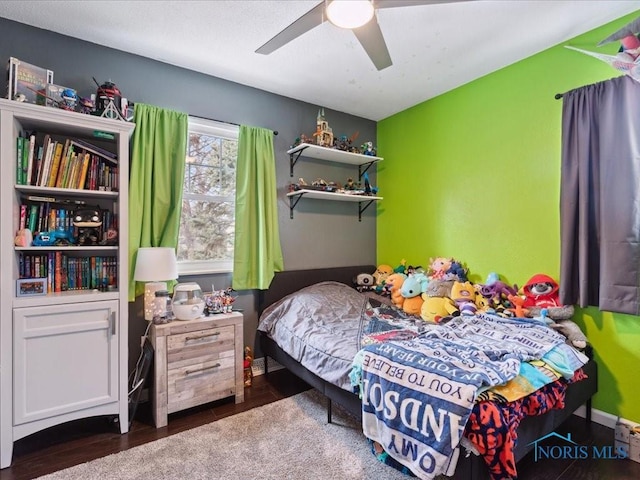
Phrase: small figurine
(367,149)
(88,221)
(69,99)
(248,362)
(87,105)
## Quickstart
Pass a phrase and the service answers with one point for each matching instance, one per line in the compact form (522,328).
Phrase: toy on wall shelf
(345,143)
(323,133)
(367,148)
(302,139)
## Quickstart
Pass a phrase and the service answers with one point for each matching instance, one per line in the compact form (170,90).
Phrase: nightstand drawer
(201,382)
(200,345)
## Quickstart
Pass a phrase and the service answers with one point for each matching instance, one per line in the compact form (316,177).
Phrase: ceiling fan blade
(371,39)
(410,3)
(309,20)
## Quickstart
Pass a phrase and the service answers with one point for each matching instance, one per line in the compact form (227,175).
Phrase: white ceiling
(434,48)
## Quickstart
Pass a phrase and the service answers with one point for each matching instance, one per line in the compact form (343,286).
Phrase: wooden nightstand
(195,362)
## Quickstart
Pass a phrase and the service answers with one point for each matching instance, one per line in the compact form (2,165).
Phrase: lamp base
(150,290)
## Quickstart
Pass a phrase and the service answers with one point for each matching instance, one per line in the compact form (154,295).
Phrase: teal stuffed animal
(412,288)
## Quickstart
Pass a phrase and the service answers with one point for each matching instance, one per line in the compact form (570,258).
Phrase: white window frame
(218,129)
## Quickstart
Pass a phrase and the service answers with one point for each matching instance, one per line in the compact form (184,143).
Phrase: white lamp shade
(155,264)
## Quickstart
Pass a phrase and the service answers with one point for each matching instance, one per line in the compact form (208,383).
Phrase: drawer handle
(198,337)
(200,370)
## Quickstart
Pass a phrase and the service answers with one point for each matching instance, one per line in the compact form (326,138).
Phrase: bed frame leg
(328,410)
(588,412)
(266,363)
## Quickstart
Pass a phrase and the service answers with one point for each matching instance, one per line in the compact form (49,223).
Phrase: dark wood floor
(85,440)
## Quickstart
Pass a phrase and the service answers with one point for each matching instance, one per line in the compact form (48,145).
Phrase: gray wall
(321,234)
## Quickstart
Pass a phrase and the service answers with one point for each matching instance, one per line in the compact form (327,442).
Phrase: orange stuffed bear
(394,284)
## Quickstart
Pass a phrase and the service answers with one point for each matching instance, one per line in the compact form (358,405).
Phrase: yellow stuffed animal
(463,295)
(380,276)
(434,309)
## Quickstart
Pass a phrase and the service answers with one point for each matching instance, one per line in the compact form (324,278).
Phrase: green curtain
(257,252)
(156,178)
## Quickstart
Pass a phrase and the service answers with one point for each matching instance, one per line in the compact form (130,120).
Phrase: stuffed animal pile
(443,291)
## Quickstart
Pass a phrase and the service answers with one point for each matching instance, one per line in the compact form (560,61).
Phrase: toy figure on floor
(248,363)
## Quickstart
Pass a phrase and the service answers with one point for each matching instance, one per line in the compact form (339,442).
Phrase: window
(207,223)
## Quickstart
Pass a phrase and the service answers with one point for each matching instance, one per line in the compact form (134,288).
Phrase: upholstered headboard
(290,281)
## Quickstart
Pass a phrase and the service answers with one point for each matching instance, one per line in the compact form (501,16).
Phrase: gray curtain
(600,196)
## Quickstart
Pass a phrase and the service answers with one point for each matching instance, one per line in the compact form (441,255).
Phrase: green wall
(475,174)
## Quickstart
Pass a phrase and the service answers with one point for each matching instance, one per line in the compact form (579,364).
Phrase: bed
(530,428)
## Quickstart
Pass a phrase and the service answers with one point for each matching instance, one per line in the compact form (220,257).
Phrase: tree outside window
(207,223)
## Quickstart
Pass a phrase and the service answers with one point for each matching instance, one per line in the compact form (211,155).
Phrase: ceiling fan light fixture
(349,13)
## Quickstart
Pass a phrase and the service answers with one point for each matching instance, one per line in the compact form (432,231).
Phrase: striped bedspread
(417,394)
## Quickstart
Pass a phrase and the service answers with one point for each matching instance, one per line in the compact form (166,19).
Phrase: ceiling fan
(367,30)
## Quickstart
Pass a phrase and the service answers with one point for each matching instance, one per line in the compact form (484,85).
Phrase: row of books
(45,214)
(64,273)
(74,164)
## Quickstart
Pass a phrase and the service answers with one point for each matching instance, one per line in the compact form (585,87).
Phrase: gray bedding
(321,335)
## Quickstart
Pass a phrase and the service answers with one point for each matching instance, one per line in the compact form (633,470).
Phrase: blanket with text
(417,394)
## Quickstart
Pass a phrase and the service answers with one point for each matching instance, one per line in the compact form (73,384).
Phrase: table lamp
(154,265)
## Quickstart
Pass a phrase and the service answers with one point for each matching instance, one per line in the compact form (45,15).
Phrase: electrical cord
(135,378)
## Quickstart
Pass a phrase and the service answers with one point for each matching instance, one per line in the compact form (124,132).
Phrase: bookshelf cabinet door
(65,359)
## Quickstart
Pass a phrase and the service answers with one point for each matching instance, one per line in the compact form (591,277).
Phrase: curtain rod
(275,132)
(558,96)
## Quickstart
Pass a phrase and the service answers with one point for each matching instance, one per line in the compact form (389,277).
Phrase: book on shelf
(30,159)
(64,164)
(23,217)
(37,165)
(55,165)
(33,218)
(41,161)
(90,147)
(85,169)
(70,163)
(47,163)
(40,198)
(19,147)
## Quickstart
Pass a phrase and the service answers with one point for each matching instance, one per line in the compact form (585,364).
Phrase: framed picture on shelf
(27,287)
(26,80)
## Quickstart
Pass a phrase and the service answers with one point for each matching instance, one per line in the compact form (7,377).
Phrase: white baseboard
(598,416)
(258,366)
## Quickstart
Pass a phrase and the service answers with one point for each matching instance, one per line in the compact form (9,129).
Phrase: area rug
(287,439)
